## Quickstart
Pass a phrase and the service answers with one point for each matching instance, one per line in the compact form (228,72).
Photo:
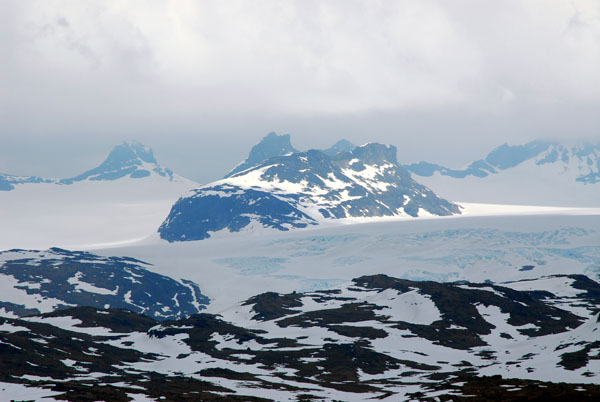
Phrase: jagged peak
(342,145)
(271,145)
(367,154)
(130,158)
(130,150)
(372,153)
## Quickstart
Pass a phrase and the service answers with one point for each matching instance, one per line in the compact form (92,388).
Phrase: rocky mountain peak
(342,145)
(130,158)
(270,146)
(130,151)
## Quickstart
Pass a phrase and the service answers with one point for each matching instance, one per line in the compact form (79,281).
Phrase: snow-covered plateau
(85,214)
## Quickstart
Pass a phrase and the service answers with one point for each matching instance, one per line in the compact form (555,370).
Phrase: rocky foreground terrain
(376,338)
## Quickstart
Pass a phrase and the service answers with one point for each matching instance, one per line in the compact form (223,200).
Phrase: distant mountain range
(536,173)
(129,159)
(581,162)
(282,188)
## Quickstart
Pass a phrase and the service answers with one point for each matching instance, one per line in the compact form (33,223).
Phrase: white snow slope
(87,213)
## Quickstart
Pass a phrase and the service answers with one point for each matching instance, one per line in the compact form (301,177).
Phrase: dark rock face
(364,182)
(270,146)
(228,207)
(73,278)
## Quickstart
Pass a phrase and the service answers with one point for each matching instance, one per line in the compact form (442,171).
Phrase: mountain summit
(279,145)
(131,159)
(342,145)
(304,188)
(271,145)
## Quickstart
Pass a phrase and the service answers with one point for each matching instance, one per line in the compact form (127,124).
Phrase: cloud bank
(479,71)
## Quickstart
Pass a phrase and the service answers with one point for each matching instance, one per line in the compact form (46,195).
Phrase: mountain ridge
(543,173)
(129,159)
(274,144)
(505,156)
(35,282)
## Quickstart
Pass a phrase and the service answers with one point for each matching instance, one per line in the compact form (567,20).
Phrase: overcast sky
(201,82)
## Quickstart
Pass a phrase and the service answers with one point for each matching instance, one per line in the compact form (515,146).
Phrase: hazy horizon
(96,153)
(201,82)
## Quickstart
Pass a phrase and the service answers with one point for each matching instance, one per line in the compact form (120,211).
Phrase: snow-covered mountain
(34,282)
(129,159)
(304,188)
(536,173)
(123,199)
(375,338)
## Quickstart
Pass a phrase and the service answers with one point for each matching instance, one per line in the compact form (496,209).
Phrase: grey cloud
(442,81)
(62,22)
